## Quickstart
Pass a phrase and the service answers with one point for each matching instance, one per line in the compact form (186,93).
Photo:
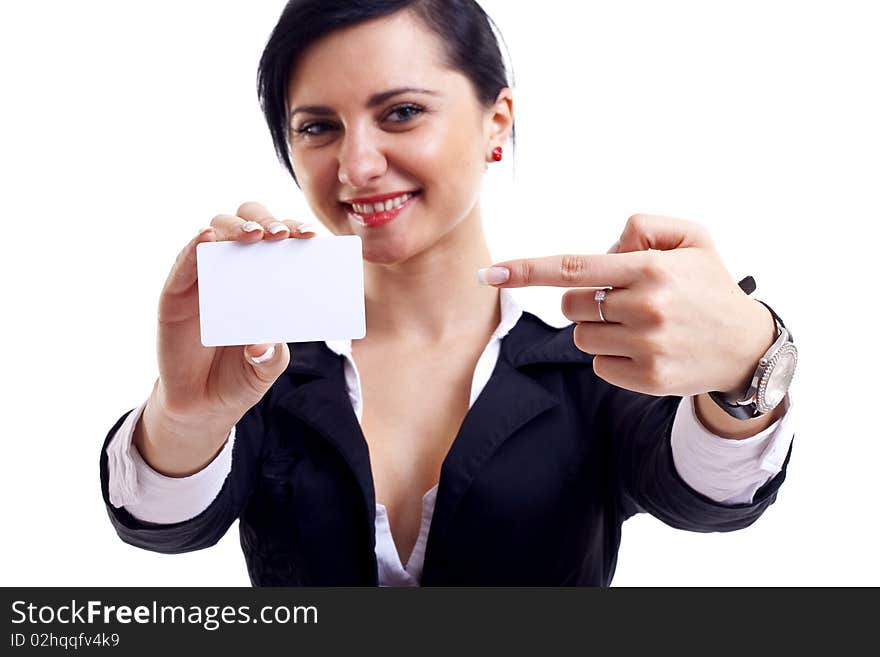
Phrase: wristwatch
(772,378)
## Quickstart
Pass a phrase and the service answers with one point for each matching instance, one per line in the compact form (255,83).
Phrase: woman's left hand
(677,322)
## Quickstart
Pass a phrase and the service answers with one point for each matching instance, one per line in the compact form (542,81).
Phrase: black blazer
(548,463)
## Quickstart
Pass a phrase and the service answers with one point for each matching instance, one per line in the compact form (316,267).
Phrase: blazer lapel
(509,400)
(323,404)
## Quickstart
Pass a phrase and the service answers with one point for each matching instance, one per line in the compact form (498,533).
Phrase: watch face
(777,383)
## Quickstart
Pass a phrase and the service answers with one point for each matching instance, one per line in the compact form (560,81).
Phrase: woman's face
(378,117)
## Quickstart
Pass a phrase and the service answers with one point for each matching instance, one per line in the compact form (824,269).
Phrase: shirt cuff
(153,497)
(725,470)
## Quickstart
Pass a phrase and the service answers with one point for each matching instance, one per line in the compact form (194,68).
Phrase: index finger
(601,270)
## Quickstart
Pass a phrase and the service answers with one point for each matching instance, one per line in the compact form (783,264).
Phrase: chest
(413,407)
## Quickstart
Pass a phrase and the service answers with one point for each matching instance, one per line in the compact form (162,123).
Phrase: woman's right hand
(208,389)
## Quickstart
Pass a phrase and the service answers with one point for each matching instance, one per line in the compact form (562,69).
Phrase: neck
(434,297)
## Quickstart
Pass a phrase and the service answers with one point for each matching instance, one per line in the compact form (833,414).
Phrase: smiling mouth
(381,206)
(373,215)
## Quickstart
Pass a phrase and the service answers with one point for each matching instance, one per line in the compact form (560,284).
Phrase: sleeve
(728,471)
(638,428)
(210,524)
(153,497)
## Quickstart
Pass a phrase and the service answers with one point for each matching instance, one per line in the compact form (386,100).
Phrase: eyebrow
(372,101)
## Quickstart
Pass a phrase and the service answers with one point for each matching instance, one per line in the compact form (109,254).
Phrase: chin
(388,250)
(380,254)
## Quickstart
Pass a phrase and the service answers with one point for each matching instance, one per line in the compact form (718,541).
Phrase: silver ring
(600,297)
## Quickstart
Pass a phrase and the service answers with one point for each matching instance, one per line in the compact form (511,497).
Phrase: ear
(499,120)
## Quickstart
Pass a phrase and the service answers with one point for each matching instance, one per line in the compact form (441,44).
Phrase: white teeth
(372,208)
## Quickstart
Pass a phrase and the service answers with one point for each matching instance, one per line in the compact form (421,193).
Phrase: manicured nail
(278,228)
(266,355)
(493,275)
(251,226)
(306,228)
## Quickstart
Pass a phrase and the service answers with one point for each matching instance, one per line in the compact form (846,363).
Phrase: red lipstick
(365,212)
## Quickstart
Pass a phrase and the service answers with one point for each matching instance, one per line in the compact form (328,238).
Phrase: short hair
(463,27)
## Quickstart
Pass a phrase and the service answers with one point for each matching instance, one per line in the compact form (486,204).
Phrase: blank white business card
(290,290)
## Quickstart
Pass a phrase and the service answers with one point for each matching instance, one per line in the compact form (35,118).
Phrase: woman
(461,437)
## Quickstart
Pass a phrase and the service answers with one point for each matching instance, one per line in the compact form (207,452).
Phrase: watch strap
(747,411)
(778,319)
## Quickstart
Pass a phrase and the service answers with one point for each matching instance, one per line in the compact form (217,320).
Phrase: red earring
(497,154)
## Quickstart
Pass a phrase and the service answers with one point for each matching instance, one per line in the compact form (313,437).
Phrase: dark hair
(462,25)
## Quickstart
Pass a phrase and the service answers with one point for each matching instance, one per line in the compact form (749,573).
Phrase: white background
(127,126)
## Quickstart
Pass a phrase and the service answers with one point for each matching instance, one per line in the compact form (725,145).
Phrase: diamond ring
(600,297)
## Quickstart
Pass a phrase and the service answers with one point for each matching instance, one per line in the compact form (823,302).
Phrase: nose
(361,160)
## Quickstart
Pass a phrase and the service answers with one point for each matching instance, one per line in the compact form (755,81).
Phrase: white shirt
(727,471)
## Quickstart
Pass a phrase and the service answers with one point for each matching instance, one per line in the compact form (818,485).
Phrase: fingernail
(251,226)
(306,228)
(278,228)
(266,355)
(493,275)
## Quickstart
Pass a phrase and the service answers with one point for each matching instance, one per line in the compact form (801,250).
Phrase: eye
(313,129)
(404,113)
